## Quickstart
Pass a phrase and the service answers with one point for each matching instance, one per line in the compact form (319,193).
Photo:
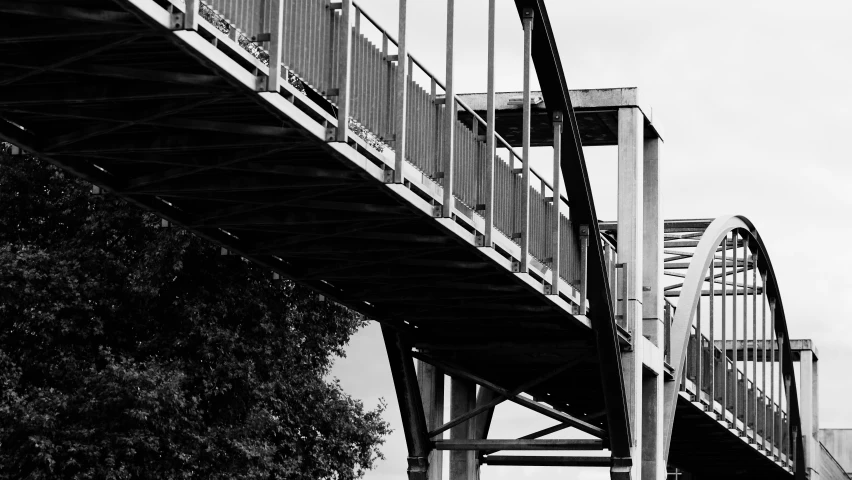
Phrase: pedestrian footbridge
(302,135)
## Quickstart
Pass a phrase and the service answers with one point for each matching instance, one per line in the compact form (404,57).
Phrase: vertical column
(773,397)
(345,69)
(809,410)
(491,118)
(556,221)
(449,115)
(745,402)
(630,223)
(652,244)
(431,380)
(190,21)
(401,100)
(462,400)
(653,452)
(276,31)
(525,144)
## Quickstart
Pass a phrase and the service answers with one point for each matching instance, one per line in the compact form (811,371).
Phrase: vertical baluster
(773,356)
(699,342)
(345,69)
(724,328)
(525,134)
(754,342)
(745,333)
(763,357)
(712,373)
(434,127)
(557,201)
(782,392)
(736,351)
(584,262)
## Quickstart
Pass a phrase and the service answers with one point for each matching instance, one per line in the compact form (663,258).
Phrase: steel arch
(688,301)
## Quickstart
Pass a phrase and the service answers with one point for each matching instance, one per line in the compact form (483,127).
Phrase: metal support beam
(527,21)
(410,403)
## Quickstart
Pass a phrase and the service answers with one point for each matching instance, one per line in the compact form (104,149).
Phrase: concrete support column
(630,181)
(809,411)
(653,416)
(652,244)
(431,381)
(462,400)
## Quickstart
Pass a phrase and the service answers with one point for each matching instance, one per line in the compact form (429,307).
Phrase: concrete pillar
(431,381)
(653,452)
(630,181)
(462,400)
(652,244)
(809,411)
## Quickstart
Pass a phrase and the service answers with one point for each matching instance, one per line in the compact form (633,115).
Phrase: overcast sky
(753,101)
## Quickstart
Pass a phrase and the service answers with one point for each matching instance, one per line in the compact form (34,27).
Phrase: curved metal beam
(554,89)
(688,300)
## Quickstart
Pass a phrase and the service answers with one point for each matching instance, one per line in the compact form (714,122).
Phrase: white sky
(753,101)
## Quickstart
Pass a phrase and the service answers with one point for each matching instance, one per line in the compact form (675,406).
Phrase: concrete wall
(836,453)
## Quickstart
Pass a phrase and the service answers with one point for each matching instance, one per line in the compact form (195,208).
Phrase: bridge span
(303,136)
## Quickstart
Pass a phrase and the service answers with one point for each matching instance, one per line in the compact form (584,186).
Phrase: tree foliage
(131,351)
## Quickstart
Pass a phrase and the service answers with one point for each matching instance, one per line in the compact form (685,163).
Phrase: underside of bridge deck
(123,104)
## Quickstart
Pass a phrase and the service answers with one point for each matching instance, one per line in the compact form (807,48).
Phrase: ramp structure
(303,136)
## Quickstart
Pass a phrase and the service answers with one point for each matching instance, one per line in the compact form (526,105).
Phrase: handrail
(459,101)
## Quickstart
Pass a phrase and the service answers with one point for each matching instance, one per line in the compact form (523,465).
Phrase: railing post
(555,222)
(190,20)
(401,99)
(754,343)
(763,356)
(273,82)
(724,328)
(773,346)
(491,118)
(525,134)
(345,69)
(745,335)
(711,393)
(584,266)
(449,117)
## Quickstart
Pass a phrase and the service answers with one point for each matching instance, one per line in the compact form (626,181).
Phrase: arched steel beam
(688,301)
(554,89)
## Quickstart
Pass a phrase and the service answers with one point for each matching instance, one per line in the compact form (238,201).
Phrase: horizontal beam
(514,444)
(546,461)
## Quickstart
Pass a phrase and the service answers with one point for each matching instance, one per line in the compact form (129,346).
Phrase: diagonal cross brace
(501,398)
(524,402)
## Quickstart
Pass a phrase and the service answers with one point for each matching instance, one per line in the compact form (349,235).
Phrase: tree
(131,351)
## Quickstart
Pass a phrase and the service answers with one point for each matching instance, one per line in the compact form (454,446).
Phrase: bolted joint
(557,117)
(178,20)
(330,134)
(418,468)
(584,230)
(528,14)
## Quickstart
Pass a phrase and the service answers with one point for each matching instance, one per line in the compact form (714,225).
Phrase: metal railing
(338,50)
(734,364)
